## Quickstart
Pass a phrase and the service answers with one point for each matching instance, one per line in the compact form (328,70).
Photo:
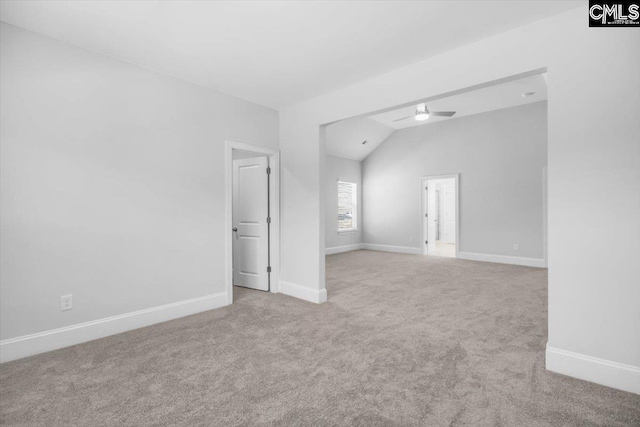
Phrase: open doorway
(252,208)
(487,134)
(440,215)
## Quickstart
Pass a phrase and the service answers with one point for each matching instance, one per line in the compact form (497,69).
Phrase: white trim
(599,371)
(28,345)
(423,210)
(389,248)
(274,194)
(545,214)
(344,248)
(317,296)
(503,259)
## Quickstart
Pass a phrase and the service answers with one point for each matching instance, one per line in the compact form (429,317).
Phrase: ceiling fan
(423,114)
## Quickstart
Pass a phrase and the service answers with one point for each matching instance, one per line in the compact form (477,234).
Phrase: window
(347,207)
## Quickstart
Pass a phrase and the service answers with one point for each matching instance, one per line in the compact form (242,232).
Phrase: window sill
(352,230)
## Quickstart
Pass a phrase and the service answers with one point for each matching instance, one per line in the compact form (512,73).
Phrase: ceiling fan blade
(442,113)
(403,118)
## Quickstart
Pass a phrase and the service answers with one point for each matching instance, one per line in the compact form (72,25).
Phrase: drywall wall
(500,156)
(593,176)
(112,184)
(339,169)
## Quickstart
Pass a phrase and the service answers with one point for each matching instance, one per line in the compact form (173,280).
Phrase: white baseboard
(503,259)
(389,248)
(599,371)
(340,249)
(317,296)
(28,345)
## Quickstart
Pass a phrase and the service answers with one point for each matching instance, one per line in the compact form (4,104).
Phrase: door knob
(234,229)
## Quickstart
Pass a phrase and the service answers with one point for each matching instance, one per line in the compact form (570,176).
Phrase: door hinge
(269,269)
(426,242)
(268,170)
(426,215)
(268,220)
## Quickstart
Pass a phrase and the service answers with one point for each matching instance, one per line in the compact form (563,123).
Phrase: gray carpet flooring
(404,340)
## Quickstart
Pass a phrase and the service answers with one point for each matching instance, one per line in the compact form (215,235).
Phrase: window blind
(347,206)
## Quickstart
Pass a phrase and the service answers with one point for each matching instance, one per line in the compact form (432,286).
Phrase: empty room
(319,213)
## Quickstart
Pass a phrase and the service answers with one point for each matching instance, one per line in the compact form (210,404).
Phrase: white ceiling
(474,102)
(274,53)
(344,139)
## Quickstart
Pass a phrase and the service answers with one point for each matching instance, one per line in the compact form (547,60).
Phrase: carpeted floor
(404,340)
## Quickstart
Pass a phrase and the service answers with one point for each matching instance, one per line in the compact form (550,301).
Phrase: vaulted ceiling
(274,53)
(505,95)
(355,139)
(344,138)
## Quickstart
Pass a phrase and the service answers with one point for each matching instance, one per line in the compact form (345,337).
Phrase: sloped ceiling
(345,138)
(490,98)
(275,53)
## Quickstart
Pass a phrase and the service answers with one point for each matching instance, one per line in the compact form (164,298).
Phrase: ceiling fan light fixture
(422,113)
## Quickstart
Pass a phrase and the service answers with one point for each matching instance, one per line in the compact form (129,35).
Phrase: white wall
(594,175)
(499,155)
(112,184)
(339,169)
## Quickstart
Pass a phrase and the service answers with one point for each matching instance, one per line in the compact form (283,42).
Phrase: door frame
(423,209)
(545,224)
(274,195)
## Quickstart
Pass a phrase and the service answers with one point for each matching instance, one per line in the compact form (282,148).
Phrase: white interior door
(449,217)
(250,226)
(432,218)
(439,214)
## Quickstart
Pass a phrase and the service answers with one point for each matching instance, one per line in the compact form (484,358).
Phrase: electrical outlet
(516,247)
(66,302)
